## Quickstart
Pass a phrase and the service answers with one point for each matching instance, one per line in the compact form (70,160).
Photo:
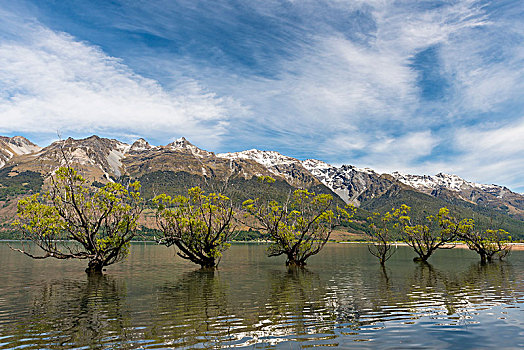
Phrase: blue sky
(415,86)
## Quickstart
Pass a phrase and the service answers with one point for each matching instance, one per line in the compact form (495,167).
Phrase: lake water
(343,300)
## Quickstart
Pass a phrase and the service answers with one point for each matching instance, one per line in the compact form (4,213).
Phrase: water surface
(343,299)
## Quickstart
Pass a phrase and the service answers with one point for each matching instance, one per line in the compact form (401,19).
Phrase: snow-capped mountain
(434,184)
(104,159)
(453,186)
(182,144)
(289,168)
(427,183)
(350,183)
(15,146)
(268,159)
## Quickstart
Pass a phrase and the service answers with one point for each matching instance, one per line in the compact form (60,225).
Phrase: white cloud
(345,97)
(355,83)
(493,154)
(50,82)
(385,153)
(487,70)
(483,154)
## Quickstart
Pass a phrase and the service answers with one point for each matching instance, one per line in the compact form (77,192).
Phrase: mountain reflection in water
(343,299)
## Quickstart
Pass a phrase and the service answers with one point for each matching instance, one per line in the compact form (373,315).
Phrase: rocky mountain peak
(100,155)
(350,183)
(19,145)
(15,146)
(182,144)
(140,145)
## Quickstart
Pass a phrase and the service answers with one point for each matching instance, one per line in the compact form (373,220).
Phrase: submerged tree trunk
(95,267)
(208,264)
(422,258)
(292,261)
(483,258)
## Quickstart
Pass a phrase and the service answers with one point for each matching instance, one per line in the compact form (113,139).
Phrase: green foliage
(423,205)
(266,179)
(199,225)
(101,220)
(427,234)
(488,243)
(298,228)
(12,185)
(383,229)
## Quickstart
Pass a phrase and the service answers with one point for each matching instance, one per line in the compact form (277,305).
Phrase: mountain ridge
(104,159)
(19,145)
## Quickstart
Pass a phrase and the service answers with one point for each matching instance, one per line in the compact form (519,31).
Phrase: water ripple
(154,301)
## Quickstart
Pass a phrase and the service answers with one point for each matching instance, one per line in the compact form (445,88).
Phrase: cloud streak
(394,86)
(51,81)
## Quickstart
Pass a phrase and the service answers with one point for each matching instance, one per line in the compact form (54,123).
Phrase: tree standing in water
(298,228)
(488,243)
(199,225)
(432,232)
(380,233)
(100,221)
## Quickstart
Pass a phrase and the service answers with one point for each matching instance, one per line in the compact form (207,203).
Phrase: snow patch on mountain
(15,146)
(315,164)
(441,180)
(266,158)
(347,181)
(183,144)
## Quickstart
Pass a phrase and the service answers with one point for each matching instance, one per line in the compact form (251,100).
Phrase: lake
(344,299)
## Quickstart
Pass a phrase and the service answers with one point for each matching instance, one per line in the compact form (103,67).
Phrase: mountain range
(24,167)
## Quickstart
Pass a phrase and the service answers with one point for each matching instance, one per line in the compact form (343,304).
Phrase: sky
(415,86)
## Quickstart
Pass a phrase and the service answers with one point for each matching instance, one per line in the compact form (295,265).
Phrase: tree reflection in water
(68,313)
(194,310)
(200,309)
(428,291)
(298,305)
(265,306)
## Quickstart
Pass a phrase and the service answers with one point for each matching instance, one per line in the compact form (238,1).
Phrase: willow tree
(100,221)
(426,235)
(199,225)
(298,228)
(488,243)
(382,229)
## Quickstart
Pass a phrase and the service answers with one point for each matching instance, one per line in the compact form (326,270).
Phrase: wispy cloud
(388,84)
(493,152)
(51,81)
(357,92)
